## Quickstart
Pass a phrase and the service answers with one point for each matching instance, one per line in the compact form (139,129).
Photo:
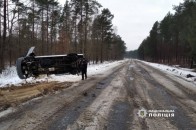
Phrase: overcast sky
(135,18)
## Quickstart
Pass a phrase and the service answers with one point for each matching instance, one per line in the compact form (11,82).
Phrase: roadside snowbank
(9,76)
(184,73)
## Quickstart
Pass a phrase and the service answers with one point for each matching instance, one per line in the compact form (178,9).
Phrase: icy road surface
(109,101)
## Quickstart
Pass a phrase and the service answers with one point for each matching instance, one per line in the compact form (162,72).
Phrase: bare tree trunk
(81,33)
(97,54)
(10,37)
(0,41)
(47,24)
(33,27)
(19,33)
(67,32)
(102,45)
(176,53)
(8,21)
(85,33)
(51,39)
(51,32)
(42,31)
(75,40)
(4,36)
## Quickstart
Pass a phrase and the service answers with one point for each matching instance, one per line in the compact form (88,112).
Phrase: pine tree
(105,24)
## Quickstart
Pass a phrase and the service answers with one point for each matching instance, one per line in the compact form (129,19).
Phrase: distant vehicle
(33,66)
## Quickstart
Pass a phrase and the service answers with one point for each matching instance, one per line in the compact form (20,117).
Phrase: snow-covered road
(120,97)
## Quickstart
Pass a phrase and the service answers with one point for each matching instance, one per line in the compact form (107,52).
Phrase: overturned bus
(33,66)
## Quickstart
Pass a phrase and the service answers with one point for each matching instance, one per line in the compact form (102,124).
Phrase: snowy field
(9,76)
(186,74)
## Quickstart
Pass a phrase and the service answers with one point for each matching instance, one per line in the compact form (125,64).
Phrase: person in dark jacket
(83,67)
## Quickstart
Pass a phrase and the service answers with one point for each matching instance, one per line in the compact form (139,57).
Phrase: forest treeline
(81,26)
(172,40)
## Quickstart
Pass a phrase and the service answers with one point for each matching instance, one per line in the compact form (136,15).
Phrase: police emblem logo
(142,113)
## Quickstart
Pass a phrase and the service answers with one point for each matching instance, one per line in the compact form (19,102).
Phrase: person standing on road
(83,67)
